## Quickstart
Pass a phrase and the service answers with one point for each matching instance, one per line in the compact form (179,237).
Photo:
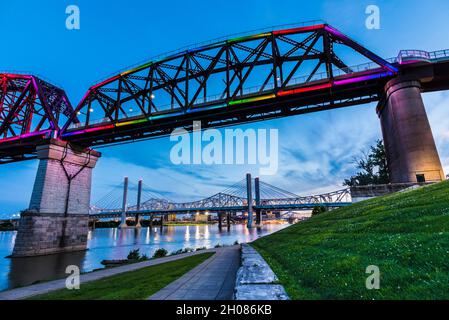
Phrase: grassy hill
(405,234)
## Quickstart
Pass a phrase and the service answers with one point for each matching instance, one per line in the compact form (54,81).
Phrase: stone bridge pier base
(411,152)
(58,216)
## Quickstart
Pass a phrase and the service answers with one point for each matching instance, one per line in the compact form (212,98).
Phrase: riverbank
(406,235)
(131,282)
(115,244)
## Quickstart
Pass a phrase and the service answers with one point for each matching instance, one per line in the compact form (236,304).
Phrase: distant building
(202,217)
(170,217)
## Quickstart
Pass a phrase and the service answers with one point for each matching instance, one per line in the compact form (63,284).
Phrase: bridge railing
(408,56)
(383,189)
(23,72)
(210,42)
(413,55)
(439,54)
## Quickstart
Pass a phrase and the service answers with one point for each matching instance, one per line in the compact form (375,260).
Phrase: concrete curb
(256,280)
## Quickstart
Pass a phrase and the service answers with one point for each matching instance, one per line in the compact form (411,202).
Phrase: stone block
(57,220)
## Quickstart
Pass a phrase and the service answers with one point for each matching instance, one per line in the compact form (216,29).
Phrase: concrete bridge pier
(58,216)
(411,151)
(220,221)
(151,221)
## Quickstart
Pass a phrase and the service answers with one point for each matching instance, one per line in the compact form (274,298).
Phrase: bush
(180,251)
(144,257)
(318,210)
(134,255)
(160,253)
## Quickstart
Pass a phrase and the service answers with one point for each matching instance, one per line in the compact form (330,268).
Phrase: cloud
(437,107)
(315,155)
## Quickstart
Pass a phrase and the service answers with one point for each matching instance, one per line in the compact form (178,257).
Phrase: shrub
(180,251)
(318,210)
(144,257)
(134,255)
(159,253)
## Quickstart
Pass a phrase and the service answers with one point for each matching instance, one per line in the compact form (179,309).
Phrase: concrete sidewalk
(214,279)
(29,291)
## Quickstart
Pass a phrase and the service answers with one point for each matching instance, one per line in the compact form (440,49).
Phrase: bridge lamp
(78,113)
(91,110)
(152,96)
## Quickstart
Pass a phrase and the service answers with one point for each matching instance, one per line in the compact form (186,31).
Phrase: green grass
(405,234)
(134,285)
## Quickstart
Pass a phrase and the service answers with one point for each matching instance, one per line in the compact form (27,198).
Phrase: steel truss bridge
(272,74)
(233,199)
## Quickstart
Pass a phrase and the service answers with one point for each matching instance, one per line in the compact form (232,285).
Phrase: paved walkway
(25,292)
(214,279)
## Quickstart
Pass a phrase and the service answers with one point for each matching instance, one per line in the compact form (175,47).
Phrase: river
(114,243)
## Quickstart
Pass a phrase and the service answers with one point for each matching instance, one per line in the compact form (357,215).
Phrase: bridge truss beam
(31,110)
(154,99)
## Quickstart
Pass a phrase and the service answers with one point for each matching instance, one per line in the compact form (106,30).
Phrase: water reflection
(30,270)
(116,244)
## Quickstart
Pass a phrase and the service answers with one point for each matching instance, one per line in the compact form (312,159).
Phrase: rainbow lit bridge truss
(30,109)
(272,74)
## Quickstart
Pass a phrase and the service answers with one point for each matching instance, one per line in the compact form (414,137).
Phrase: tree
(373,167)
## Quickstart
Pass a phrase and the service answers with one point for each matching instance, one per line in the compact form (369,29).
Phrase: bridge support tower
(58,216)
(411,151)
(139,199)
(124,204)
(249,192)
(257,196)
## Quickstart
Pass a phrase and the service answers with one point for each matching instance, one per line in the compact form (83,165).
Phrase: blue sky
(315,150)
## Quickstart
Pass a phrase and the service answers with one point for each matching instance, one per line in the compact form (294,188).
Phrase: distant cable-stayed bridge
(247,195)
